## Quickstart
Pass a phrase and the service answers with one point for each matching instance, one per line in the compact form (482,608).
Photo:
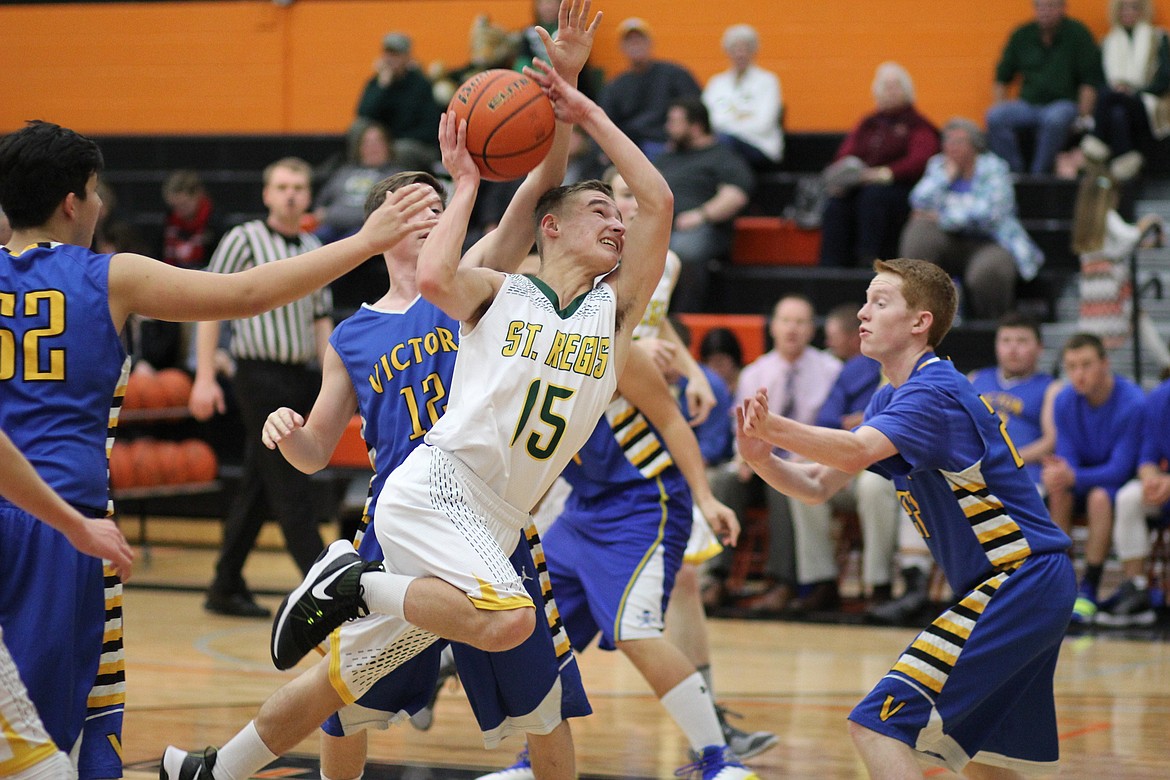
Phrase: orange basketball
(199,459)
(175,386)
(121,467)
(510,122)
(148,469)
(144,391)
(172,463)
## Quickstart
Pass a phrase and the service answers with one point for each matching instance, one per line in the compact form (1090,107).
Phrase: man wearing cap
(637,100)
(399,96)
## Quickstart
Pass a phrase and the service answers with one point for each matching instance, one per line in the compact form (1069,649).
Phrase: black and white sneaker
(181,765)
(330,594)
(1129,606)
(743,744)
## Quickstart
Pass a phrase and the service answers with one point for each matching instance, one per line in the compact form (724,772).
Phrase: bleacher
(747,282)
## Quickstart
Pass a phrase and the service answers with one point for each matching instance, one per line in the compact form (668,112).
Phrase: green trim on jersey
(553,298)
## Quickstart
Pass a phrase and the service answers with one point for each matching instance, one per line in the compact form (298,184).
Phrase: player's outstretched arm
(20,484)
(642,384)
(141,285)
(647,235)
(505,247)
(461,292)
(811,483)
(308,445)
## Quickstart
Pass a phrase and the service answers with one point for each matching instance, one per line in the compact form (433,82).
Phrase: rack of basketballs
(149,455)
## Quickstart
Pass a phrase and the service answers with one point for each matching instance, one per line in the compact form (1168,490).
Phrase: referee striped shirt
(285,334)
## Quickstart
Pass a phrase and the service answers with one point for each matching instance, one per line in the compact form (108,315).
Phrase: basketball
(148,471)
(175,385)
(144,391)
(510,122)
(199,459)
(172,464)
(121,467)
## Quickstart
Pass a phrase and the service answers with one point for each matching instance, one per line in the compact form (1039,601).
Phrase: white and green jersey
(656,310)
(530,383)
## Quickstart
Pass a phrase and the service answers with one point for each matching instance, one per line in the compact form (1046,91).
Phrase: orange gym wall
(254,67)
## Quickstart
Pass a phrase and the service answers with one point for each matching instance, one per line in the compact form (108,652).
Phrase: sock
(244,755)
(689,705)
(708,679)
(385,593)
(1092,579)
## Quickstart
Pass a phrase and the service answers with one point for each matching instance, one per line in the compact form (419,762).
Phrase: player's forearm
(304,451)
(684,450)
(838,449)
(438,260)
(798,480)
(649,188)
(206,342)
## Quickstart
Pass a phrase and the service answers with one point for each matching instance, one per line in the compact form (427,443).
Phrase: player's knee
(1098,504)
(508,629)
(860,735)
(687,578)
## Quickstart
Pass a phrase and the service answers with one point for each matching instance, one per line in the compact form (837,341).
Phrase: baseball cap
(633,24)
(396,42)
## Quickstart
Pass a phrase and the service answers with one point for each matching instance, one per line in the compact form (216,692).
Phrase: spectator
(274,353)
(192,227)
(876,166)
(745,101)
(1020,394)
(1142,504)
(711,185)
(964,220)
(1097,416)
(714,433)
(721,352)
(1060,69)
(1134,107)
(340,209)
(638,99)
(399,97)
(798,378)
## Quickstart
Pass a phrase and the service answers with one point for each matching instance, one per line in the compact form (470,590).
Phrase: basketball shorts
(613,561)
(528,689)
(976,684)
(23,740)
(702,544)
(62,619)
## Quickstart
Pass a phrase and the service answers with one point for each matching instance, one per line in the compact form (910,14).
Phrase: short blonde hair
(741,33)
(894,70)
(1145,11)
(295,164)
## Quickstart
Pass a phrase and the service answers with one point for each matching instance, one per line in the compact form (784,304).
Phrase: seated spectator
(711,185)
(798,378)
(638,98)
(1020,394)
(192,227)
(1097,418)
(399,97)
(964,220)
(341,202)
(745,101)
(1134,107)
(1142,504)
(1059,68)
(721,352)
(714,434)
(870,180)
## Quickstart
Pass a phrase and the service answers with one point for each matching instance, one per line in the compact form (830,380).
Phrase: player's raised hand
(569,105)
(453,144)
(570,49)
(408,211)
(102,539)
(279,426)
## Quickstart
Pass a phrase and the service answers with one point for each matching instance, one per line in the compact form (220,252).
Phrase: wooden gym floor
(195,678)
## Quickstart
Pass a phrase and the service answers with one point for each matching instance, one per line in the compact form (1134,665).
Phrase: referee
(276,356)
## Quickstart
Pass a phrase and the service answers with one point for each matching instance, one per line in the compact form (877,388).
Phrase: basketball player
(976,685)
(62,374)
(26,750)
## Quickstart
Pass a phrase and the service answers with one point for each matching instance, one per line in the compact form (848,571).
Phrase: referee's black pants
(262,387)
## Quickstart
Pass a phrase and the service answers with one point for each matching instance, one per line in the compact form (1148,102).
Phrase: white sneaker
(521,770)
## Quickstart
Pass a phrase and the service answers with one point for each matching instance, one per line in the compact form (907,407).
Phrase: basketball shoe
(330,595)
(742,743)
(181,765)
(716,762)
(521,770)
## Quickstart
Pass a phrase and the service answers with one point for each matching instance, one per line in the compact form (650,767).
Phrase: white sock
(244,755)
(326,777)
(689,704)
(385,592)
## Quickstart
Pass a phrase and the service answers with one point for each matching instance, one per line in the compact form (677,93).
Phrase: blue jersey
(1155,431)
(959,477)
(623,453)
(1018,403)
(61,363)
(405,355)
(1100,443)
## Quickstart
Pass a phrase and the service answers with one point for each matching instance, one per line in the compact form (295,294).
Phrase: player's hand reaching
(754,414)
(569,105)
(722,520)
(102,539)
(279,426)
(750,449)
(700,399)
(570,49)
(453,144)
(408,211)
